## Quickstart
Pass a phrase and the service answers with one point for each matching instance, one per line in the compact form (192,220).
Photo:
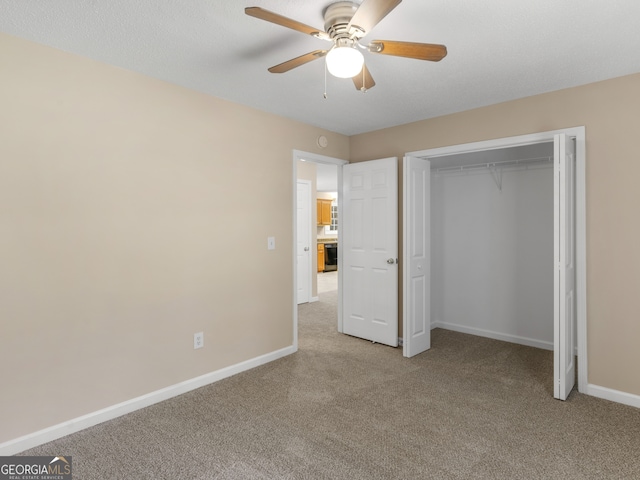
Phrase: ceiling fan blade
(296,62)
(363,81)
(370,12)
(272,17)
(420,51)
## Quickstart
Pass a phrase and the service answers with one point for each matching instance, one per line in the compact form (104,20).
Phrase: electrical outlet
(198,340)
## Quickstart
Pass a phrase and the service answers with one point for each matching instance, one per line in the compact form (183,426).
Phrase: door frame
(581,231)
(315,158)
(309,229)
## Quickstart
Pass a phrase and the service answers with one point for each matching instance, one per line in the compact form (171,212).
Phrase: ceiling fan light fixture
(344,62)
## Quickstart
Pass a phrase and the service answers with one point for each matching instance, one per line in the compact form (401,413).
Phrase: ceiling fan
(346,23)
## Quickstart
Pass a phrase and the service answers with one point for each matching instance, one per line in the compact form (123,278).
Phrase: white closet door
(417,256)
(564,266)
(303,238)
(369,234)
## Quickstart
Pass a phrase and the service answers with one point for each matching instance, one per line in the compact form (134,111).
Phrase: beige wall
(133,213)
(610,112)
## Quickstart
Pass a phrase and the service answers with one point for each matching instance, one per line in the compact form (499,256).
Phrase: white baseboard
(34,439)
(530,342)
(314,299)
(613,395)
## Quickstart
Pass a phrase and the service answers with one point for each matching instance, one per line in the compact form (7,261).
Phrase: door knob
(391,261)
(306,249)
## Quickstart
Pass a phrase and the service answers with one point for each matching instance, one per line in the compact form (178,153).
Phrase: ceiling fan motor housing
(336,21)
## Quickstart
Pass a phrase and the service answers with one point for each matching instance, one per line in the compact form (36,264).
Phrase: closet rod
(504,163)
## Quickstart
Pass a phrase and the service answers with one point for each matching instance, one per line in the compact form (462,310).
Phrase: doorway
(418,305)
(492,244)
(325,164)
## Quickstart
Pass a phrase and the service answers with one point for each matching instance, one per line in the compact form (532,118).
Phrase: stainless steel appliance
(330,257)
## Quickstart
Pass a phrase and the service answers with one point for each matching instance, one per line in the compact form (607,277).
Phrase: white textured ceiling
(498,50)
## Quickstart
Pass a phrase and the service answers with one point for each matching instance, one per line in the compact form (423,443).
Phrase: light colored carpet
(344,408)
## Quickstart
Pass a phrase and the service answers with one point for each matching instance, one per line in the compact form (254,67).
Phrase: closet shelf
(495,168)
(494,165)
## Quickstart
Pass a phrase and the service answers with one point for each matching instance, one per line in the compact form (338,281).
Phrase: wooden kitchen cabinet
(321,257)
(324,211)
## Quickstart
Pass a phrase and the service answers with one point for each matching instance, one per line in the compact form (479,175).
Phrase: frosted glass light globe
(344,62)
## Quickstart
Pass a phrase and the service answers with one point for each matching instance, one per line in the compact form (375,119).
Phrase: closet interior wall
(492,249)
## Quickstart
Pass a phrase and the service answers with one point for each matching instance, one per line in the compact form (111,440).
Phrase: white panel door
(417,256)
(303,239)
(564,300)
(369,253)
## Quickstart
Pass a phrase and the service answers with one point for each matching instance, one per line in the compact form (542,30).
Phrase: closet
(492,244)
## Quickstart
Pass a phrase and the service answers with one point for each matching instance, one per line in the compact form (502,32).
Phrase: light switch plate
(271,243)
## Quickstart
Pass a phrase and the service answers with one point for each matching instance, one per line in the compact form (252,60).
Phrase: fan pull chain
(325,78)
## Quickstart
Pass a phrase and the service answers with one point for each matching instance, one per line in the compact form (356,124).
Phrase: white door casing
(303,241)
(369,233)
(417,256)
(564,299)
